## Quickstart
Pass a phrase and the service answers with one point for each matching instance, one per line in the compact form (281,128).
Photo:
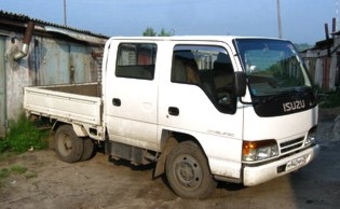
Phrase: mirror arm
(247,103)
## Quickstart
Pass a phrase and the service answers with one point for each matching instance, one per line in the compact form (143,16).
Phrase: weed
(19,169)
(331,100)
(4,145)
(4,156)
(22,136)
(4,172)
(30,174)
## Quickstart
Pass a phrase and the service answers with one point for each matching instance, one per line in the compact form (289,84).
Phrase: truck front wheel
(188,172)
(68,146)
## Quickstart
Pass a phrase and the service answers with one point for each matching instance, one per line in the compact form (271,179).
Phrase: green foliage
(4,145)
(30,174)
(302,47)
(19,169)
(4,156)
(151,32)
(330,100)
(4,172)
(165,33)
(23,135)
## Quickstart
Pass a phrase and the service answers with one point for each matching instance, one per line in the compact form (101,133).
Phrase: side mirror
(240,84)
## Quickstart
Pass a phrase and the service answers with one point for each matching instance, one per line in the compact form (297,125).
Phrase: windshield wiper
(296,92)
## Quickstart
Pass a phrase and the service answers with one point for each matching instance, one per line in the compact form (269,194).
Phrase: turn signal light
(259,150)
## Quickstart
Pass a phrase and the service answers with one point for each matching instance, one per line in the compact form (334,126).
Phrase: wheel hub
(188,171)
(65,144)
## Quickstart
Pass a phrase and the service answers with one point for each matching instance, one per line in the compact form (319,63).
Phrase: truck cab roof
(226,38)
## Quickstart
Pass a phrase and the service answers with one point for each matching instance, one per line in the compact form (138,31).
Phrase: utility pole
(65,15)
(336,14)
(279,24)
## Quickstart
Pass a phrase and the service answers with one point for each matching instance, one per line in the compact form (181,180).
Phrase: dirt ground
(98,183)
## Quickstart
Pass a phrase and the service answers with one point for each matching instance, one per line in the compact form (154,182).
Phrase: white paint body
(143,116)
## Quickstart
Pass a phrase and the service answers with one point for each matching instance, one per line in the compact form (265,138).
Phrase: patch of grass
(30,174)
(22,136)
(19,169)
(4,156)
(331,100)
(4,145)
(4,172)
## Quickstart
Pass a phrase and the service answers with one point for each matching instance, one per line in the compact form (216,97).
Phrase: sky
(303,21)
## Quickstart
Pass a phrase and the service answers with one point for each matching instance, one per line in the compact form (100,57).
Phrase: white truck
(201,108)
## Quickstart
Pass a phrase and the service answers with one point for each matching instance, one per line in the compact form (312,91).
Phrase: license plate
(297,162)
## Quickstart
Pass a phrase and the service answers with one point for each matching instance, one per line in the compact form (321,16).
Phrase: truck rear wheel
(188,172)
(68,146)
(88,149)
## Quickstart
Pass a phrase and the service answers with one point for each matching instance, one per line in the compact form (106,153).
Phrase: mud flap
(160,166)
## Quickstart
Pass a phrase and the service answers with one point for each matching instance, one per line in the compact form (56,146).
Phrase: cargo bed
(73,102)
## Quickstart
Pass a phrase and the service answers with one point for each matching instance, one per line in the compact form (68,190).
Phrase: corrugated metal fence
(52,59)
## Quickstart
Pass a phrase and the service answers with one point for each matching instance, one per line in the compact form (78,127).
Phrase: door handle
(173,111)
(116,102)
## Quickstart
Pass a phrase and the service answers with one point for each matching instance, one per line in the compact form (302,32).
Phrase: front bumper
(254,175)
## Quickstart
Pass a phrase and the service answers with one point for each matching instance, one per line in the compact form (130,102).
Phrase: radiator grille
(291,145)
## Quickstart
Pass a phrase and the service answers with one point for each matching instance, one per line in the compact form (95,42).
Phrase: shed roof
(19,21)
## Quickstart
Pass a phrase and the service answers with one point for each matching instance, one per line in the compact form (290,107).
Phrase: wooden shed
(323,62)
(35,52)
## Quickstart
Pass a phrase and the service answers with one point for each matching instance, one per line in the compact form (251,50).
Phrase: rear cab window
(136,60)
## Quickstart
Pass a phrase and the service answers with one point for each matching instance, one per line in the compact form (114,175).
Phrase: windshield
(273,67)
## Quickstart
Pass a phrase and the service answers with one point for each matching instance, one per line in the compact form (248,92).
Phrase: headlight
(259,150)
(310,139)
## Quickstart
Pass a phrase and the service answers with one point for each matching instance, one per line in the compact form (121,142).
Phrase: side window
(136,60)
(208,67)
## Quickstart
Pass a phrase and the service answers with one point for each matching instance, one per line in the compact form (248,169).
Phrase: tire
(88,149)
(188,173)
(68,146)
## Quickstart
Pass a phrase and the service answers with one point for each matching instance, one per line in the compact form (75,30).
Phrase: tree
(149,32)
(164,33)
(302,47)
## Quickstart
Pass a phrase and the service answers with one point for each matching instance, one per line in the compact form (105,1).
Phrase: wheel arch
(169,140)
(78,129)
